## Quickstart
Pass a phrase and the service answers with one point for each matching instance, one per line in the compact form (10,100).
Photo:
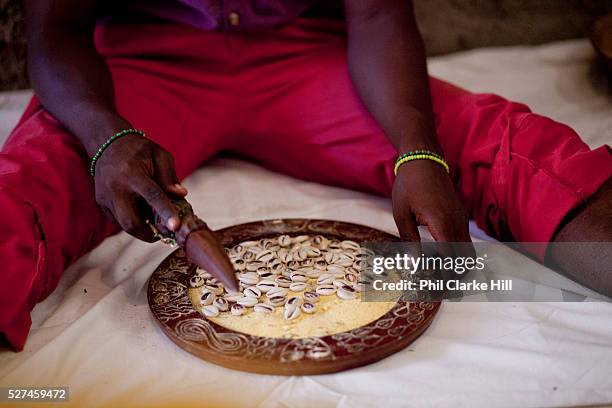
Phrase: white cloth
(96,335)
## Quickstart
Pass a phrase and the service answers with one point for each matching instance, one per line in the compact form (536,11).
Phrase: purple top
(216,15)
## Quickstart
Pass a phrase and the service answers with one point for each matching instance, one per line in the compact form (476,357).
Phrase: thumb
(165,175)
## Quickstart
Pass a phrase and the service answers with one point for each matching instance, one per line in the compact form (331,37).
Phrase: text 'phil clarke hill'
(442,284)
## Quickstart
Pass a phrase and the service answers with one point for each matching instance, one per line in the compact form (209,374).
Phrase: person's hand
(423,194)
(134,175)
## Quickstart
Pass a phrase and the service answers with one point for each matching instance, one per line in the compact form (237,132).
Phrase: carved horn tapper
(200,243)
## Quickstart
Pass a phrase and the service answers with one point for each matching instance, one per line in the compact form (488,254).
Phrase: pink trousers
(283,98)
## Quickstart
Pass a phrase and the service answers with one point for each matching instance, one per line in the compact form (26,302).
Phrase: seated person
(329,100)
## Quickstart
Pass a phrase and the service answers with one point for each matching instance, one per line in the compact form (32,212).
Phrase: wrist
(418,133)
(100,130)
(107,144)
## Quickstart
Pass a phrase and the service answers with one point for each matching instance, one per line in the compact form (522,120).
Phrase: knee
(23,247)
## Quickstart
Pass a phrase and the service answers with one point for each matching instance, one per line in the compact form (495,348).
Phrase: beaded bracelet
(105,145)
(420,155)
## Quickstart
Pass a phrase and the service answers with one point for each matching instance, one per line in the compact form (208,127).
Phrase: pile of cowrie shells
(288,272)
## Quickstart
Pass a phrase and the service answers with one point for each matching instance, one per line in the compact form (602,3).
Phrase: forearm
(73,82)
(386,59)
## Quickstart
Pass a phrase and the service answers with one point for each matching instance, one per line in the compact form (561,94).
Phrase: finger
(442,231)
(464,246)
(406,225)
(449,227)
(453,236)
(165,173)
(408,230)
(152,193)
(128,218)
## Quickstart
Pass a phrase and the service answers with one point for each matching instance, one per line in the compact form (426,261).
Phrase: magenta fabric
(213,15)
(283,98)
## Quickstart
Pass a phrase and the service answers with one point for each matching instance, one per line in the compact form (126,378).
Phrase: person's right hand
(134,175)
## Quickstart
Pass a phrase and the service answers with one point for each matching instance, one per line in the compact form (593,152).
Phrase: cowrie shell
(263,308)
(221,304)
(276,291)
(306,263)
(277,300)
(325,279)
(298,286)
(265,285)
(298,277)
(334,246)
(291,314)
(252,291)
(294,301)
(284,256)
(335,269)
(239,264)
(325,290)
(311,297)
(319,239)
(249,278)
(300,254)
(265,256)
(351,278)
(265,274)
(247,301)
(339,283)
(210,311)
(346,292)
(196,281)
(248,256)
(308,307)
(284,240)
(293,265)
(291,305)
(214,288)
(312,252)
(351,245)
(277,268)
(266,243)
(233,296)
(331,257)
(254,265)
(313,273)
(237,309)
(283,281)
(274,262)
(207,298)
(353,270)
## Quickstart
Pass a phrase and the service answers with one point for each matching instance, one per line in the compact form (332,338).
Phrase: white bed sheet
(104,344)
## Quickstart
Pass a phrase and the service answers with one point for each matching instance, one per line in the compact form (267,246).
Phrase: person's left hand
(423,194)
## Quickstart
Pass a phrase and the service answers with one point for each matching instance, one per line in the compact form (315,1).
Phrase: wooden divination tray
(190,330)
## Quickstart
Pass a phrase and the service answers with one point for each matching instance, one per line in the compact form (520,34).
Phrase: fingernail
(173,223)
